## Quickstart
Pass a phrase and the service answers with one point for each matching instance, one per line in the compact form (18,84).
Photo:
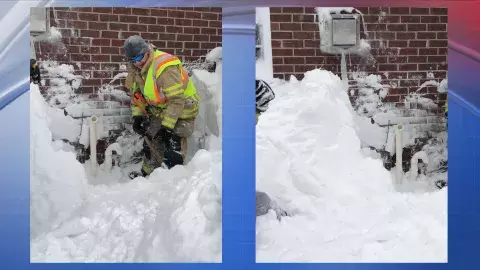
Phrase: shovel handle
(153,150)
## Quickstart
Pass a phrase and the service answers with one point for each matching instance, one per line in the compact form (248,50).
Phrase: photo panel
(351,134)
(126,143)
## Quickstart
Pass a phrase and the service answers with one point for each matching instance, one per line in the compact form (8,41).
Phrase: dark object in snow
(211,68)
(441,184)
(34,72)
(134,175)
(264,94)
(264,204)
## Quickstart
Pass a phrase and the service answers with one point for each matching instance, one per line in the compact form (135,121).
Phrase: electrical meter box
(345,30)
(38,20)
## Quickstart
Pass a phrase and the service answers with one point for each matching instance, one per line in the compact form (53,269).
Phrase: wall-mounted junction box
(345,30)
(38,20)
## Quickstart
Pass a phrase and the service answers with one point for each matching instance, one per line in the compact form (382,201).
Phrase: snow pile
(214,55)
(63,84)
(172,216)
(343,204)
(63,127)
(57,180)
(371,134)
(208,124)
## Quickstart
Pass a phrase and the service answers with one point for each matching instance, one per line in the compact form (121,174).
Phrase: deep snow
(172,216)
(344,204)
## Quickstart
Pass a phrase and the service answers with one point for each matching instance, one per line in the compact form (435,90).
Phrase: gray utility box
(345,30)
(38,20)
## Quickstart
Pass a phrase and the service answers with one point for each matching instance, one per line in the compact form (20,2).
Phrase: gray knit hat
(134,45)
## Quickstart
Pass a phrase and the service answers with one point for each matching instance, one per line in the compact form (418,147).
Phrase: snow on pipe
(399,150)
(414,163)
(93,142)
(108,155)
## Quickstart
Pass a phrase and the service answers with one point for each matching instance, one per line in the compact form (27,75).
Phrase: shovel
(153,150)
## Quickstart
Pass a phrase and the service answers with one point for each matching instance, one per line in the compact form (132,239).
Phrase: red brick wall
(93,37)
(406,42)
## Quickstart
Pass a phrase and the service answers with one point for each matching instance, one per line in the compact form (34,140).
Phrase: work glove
(140,125)
(164,135)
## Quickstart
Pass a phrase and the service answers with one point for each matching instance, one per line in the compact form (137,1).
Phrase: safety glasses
(136,59)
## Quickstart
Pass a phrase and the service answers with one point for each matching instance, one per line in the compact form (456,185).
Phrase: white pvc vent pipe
(93,142)
(399,151)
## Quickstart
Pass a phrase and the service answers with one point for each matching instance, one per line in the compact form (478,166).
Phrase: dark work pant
(170,152)
(173,151)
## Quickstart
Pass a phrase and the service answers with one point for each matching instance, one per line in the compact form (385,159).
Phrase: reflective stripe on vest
(151,94)
(161,61)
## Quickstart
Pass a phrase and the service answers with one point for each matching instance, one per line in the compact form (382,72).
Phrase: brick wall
(92,42)
(92,38)
(407,43)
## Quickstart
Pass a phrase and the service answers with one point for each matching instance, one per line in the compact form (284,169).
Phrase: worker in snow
(34,72)
(164,104)
(264,94)
(446,108)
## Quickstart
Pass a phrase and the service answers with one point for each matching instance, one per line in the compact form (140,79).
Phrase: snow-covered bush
(63,84)
(371,94)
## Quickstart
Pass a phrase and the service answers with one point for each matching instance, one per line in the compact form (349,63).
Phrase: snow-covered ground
(344,205)
(80,216)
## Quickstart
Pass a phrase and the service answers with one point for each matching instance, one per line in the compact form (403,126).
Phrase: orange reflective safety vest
(156,98)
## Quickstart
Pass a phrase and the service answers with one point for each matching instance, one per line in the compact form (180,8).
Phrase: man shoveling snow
(342,205)
(164,104)
(136,221)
